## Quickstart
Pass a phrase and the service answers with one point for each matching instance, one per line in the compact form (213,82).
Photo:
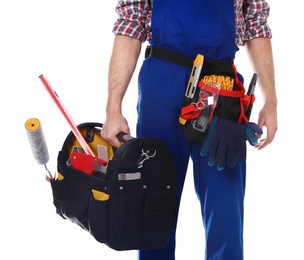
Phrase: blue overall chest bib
(192,27)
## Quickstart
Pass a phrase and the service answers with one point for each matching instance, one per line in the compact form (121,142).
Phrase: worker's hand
(226,142)
(268,119)
(114,124)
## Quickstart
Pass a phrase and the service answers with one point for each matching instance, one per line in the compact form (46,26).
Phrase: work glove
(226,142)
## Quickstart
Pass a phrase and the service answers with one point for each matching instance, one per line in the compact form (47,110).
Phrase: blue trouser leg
(161,93)
(181,156)
(221,194)
(221,197)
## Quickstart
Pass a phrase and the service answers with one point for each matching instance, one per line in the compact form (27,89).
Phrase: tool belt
(229,99)
(130,202)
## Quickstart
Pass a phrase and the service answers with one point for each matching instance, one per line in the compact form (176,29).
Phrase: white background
(70,43)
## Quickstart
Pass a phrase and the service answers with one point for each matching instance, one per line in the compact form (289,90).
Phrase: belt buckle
(149,51)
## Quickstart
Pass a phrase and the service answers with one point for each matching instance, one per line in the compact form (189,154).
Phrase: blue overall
(191,27)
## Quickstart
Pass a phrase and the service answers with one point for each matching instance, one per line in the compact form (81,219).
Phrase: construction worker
(177,31)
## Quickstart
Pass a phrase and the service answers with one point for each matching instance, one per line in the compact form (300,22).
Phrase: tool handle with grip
(250,93)
(124,137)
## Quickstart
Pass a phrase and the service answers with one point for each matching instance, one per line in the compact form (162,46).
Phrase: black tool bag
(133,205)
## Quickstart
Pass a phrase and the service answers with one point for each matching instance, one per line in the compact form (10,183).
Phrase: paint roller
(37,142)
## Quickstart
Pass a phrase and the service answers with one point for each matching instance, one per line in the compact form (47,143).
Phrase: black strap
(169,56)
(210,66)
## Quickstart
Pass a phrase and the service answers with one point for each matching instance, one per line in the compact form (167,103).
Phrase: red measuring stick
(67,116)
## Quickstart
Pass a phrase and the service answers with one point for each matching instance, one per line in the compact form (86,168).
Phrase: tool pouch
(230,104)
(132,205)
(226,104)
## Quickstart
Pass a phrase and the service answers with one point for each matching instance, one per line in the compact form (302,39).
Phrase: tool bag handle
(124,137)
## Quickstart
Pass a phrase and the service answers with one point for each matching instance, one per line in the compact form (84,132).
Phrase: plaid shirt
(134,19)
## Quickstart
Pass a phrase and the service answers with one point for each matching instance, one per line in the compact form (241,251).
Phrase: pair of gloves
(225,142)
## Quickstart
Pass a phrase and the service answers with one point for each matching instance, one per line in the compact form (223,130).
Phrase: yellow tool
(193,81)
(195,74)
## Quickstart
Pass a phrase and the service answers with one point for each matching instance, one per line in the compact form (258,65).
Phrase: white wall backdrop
(70,43)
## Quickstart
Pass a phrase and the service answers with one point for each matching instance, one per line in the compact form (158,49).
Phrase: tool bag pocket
(137,215)
(72,193)
(132,206)
(228,105)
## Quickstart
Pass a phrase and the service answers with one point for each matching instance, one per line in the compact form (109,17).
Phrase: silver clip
(146,154)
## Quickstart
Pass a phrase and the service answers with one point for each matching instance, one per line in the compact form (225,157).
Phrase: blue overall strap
(196,26)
